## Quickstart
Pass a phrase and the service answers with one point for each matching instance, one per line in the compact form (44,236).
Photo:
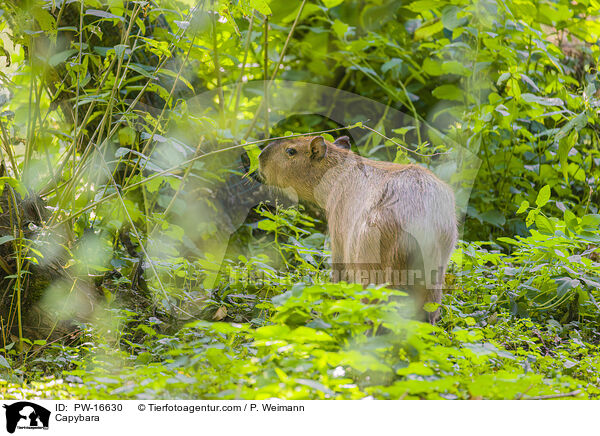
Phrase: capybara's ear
(343,142)
(318,148)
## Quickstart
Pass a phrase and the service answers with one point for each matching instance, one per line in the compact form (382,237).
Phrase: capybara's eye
(290,151)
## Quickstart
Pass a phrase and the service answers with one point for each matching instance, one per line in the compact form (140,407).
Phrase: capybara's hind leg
(433,296)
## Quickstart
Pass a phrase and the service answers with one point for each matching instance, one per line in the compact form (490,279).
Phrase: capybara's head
(300,163)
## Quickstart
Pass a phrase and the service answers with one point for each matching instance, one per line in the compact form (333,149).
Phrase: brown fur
(382,217)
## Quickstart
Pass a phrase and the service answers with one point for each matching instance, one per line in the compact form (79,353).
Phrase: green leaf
(429,30)
(450,18)
(340,28)
(126,137)
(455,67)
(530,82)
(544,101)
(503,78)
(332,3)
(159,48)
(543,196)
(363,361)
(271,332)
(267,225)
(391,64)
(424,5)
(432,67)
(569,364)
(544,225)
(315,385)
(307,334)
(4,362)
(531,217)
(103,14)
(252,151)
(508,240)
(60,57)
(564,147)
(503,110)
(281,299)
(15,184)
(45,20)
(448,92)
(120,49)
(577,123)
(523,207)
(141,71)
(493,217)
(565,284)
(590,222)
(6,238)
(431,307)
(261,6)
(571,220)
(180,77)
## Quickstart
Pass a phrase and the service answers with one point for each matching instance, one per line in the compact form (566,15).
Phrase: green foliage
(127,122)
(321,343)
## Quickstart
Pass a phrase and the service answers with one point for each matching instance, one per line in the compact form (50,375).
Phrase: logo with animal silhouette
(26,415)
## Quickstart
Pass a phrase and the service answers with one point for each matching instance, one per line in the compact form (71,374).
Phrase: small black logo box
(26,415)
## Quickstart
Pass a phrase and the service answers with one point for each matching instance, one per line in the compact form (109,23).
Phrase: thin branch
(79,56)
(552,396)
(281,55)
(176,167)
(265,75)
(238,87)
(216,62)
(287,41)
(131,223)
(400,145)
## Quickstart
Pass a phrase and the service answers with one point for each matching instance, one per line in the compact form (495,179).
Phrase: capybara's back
(402,233)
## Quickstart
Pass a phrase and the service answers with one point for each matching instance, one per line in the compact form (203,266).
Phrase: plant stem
(265,75)
(238,88)
(217,64)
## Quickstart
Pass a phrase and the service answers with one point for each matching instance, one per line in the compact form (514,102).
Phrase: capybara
(388,223)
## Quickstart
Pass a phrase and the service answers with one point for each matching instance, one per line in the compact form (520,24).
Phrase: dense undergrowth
(150,271)
(508,332)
